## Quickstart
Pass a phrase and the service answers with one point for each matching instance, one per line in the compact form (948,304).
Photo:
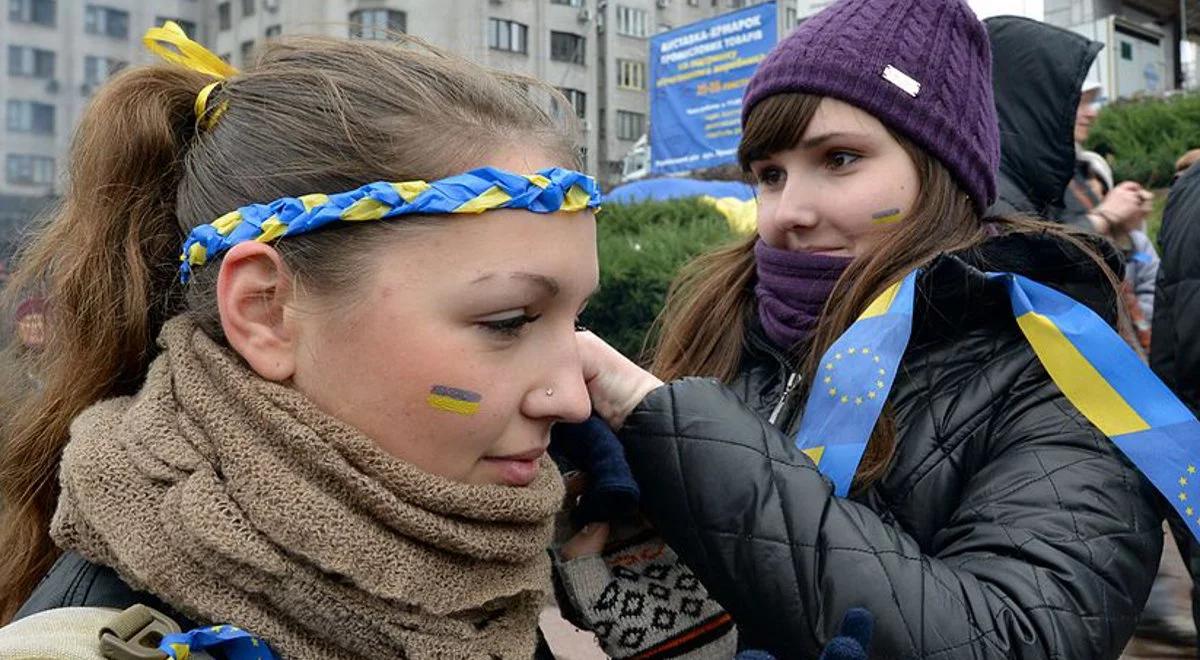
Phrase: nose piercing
(549,391)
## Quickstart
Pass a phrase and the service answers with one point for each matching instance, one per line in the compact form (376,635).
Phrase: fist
(1127,205)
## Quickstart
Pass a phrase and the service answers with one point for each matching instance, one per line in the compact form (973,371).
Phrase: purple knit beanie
(922,67)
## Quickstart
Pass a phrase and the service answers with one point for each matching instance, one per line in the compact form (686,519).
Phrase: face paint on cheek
(452,399)
(886,216)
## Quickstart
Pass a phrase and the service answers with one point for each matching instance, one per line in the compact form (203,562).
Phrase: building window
(576,98)
(22,168)
(30,62)
(41,12)
(377,23)
(30,117)
(247,51)
(106,21)
(274,31)
(789,18)
(631,74)
(566,47)
(569,3)
(248,7)
(224,16)
(630,125)
(98,69)
(508,35)
(188,27)
(632,22)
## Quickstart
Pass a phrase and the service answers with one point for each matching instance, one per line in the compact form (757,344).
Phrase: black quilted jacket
(1175,351)
(1007,527)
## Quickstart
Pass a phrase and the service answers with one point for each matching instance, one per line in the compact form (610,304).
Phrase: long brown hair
(701,331)
(313,115)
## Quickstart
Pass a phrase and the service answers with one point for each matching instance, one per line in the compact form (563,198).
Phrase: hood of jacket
(1037,72)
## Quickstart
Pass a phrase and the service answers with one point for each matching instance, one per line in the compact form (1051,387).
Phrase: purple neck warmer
(791,290)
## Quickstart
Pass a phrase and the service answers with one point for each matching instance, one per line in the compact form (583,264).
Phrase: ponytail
(106,263)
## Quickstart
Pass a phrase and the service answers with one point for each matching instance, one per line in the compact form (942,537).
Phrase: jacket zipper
(793,380)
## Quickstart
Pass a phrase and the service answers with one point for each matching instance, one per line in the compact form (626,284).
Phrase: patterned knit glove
(640,600)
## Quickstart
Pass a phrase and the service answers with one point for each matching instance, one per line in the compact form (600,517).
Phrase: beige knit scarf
(236,501)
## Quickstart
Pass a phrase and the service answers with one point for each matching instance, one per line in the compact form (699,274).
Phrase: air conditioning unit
(271,5)
(586,124)
(662,4)
(52,86)
(585,15)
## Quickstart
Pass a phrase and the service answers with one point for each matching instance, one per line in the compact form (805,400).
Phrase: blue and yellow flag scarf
(1092,365)
(549,190)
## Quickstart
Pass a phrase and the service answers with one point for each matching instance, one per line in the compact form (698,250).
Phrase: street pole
(1183,31)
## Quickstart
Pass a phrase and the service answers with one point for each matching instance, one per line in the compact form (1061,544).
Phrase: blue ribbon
(230,642)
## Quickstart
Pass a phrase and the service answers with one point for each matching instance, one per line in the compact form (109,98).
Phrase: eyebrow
(548,283)
(814,142)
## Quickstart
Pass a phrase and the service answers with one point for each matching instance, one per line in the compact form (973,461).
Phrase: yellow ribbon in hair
(187,53)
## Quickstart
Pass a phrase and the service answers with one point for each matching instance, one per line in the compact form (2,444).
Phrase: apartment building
(53,56)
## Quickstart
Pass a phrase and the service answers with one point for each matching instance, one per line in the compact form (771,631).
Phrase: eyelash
(510,328)
(832,159)
(765,173)
(768,176)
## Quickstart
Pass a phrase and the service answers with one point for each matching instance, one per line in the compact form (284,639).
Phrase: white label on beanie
(902,80)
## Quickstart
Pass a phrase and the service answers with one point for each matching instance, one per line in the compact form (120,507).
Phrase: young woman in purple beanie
(987,518)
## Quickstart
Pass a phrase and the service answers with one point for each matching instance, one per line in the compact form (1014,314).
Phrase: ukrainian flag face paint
(454,400)
(887,216)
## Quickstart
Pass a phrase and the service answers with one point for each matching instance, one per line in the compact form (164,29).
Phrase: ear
(253,289)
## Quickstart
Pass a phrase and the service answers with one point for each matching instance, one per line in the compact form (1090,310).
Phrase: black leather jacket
(1007,526)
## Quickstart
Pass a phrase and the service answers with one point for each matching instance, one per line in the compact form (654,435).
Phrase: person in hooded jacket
(1038,73)
(988,518)
(1045,109)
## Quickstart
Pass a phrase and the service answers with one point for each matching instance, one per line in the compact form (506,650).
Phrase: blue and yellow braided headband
(548,191)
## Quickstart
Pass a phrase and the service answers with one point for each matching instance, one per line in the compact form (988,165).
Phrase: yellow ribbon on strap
(189,54)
